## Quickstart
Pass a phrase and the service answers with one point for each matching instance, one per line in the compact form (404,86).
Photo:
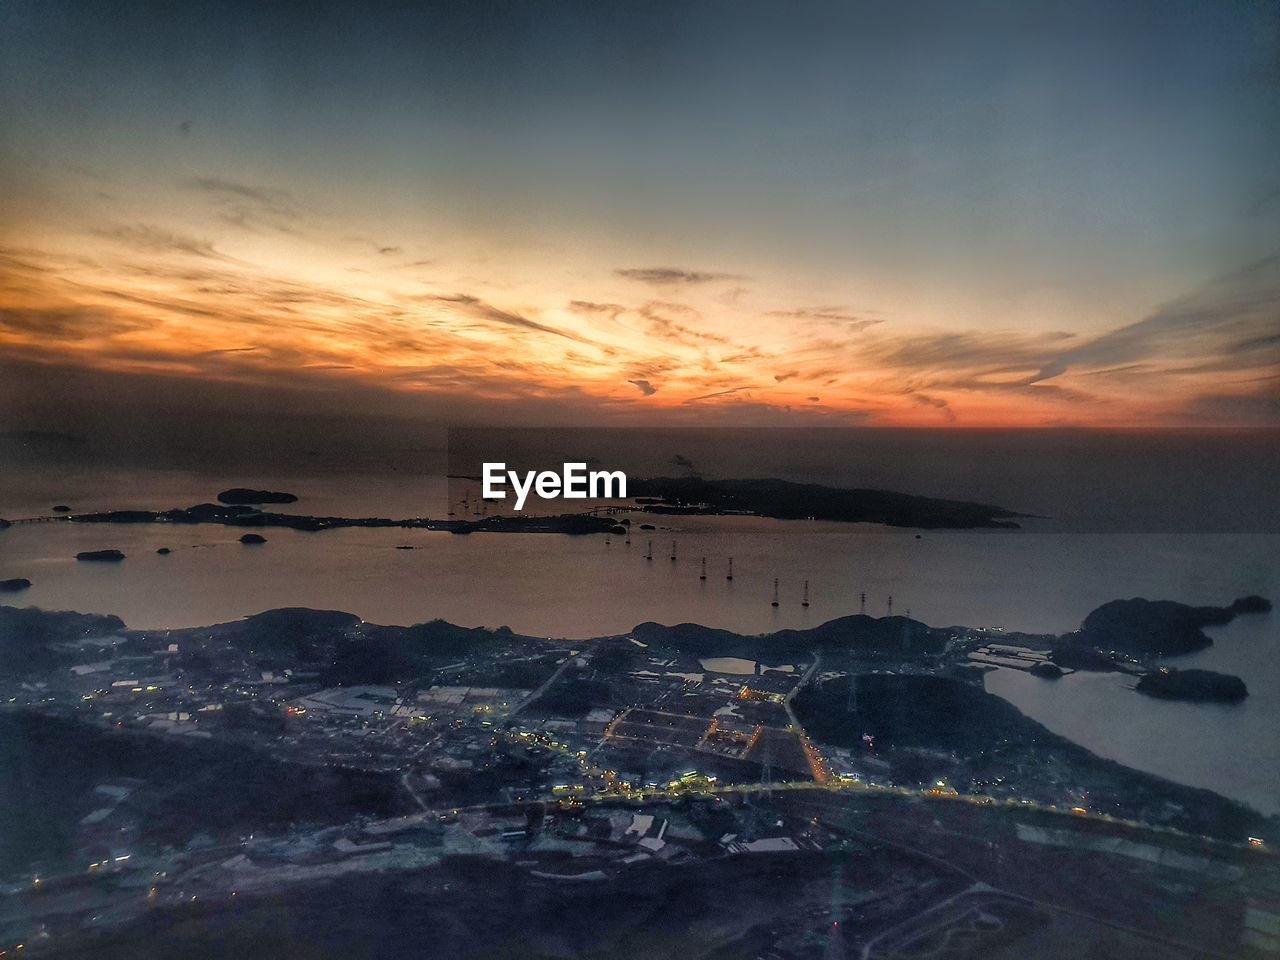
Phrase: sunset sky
(898,214)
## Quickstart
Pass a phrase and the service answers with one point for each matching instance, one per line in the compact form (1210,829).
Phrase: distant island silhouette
(245,495)
(109,556)
(778,499)
(785,500)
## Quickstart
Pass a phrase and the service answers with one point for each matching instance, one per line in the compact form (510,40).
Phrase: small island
(1198,686)
(61,508)
(164,551)
(245,495)
(1046,670)
(253,538)
(14,585)
(108,556)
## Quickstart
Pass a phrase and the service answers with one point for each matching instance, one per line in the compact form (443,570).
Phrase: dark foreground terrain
(302,783)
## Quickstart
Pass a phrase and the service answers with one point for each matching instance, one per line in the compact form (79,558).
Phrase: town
(299,748)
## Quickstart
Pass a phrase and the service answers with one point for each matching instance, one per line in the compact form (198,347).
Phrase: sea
(1189,517)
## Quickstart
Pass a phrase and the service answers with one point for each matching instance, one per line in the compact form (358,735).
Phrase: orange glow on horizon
(636,348)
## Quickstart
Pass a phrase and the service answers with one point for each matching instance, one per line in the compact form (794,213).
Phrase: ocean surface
(1033,580)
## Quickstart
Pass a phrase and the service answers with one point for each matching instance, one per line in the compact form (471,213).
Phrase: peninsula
(1141,627)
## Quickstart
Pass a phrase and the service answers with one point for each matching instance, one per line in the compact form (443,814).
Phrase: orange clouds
(144,298)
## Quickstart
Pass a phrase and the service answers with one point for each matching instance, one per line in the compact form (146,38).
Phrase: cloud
(1234,315)
(647,388)
(674,331)
(783,377)
(829,316)
(223,351)
(998,350)
(590,307)
(718,393)
(655,367)
(73,323)
(669,276)
(249,207)
(603,316)
(924,400)
(151,239)
(479,309)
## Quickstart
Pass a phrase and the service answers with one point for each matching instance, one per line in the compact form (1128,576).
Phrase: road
(546,684)
(808,674)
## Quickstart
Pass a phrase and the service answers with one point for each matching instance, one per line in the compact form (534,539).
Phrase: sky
(969,215)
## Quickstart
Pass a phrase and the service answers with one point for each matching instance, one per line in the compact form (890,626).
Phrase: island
(61,508)
(1046,670)
(785,500)
(108,556)
(245,495)
(253,538)
(163,551)
(778,499)
(242,515)
(1200,686)
(14,585)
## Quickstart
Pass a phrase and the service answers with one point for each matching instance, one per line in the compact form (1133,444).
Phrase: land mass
(109,556)
(779,499)
(244,495)
(174,785)
(785,500)
(905,685)
(1141,627)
